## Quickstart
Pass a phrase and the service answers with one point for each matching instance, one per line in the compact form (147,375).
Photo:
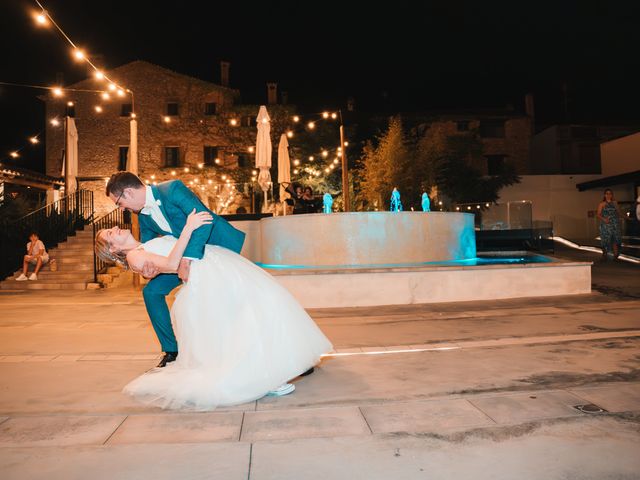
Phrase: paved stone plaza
(470,390)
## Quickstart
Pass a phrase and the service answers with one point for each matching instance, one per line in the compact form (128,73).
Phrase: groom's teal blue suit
(176,202)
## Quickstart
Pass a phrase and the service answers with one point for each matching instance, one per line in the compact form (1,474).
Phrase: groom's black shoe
(308,372)
(167,358)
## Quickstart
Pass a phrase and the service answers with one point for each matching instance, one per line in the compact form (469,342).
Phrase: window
(123,153)
(243,160)
(172,109)
(126,109)
(496,164)
(463,125)
(171,156)
(210,155)
(492,129)
(248,121)
(210,108)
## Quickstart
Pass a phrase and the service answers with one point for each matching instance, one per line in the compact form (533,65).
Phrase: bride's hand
(196,220)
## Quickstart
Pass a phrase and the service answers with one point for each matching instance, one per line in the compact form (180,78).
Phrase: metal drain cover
(590,408)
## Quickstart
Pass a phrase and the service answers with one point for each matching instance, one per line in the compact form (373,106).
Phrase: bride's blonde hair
(103,250)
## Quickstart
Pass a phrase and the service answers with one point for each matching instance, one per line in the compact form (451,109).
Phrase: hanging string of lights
(44,19)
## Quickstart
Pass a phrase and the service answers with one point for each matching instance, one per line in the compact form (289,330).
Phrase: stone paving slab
(58,430)
(519,408)
(600,449)
(613,398)
(303,423)
(179,428)
(222,461)
(431,416)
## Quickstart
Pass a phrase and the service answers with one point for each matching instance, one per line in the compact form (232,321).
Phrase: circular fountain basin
(366,239)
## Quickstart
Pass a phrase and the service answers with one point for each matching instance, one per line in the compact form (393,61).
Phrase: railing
(115,218)
(53,223)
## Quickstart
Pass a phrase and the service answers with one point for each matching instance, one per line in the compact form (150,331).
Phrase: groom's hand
(183,269)
(149,270)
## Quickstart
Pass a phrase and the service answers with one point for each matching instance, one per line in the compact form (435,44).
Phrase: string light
(57,91)
(233,122)
(173,172)
(251,149)
(296,119)
(186,169)
(311,125)
(14,154)
(290,134)
(167,119)
(105,96)
(34,140)
(98,109)
(44,17)
(69,104)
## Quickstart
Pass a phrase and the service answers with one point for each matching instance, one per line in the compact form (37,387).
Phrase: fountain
(350,259)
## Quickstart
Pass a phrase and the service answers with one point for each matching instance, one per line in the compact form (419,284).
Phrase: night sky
(403,57)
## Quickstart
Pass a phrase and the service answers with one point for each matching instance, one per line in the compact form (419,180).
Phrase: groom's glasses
(118,200)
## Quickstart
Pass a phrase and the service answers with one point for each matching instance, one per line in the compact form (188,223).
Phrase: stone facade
(506,138)
(180,119)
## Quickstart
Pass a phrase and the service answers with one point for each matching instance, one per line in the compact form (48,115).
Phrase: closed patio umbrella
(263,152)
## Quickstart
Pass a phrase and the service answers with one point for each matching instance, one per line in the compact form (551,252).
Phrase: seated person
(36,255)
(296,198)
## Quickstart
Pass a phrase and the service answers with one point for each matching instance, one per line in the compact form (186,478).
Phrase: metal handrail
(53,223)
(110,220)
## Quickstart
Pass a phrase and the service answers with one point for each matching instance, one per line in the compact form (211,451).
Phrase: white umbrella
(284,170)
(263,151)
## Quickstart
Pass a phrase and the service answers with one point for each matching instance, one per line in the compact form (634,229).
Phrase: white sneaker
(21,278)
(33,276)
(284,389)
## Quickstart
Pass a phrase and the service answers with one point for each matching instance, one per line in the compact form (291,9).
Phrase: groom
(162,210)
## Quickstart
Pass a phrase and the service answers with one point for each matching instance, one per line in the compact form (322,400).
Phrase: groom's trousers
(155,300)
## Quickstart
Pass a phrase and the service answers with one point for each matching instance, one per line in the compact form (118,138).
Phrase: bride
(241,334)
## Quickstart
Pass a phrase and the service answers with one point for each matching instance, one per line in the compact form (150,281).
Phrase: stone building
(506,136)
(187,128)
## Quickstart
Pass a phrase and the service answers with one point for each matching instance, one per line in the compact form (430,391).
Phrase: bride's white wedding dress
(240,335)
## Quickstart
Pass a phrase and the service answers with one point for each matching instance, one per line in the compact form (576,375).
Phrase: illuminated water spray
(426,203)
(396,204)
(327,203)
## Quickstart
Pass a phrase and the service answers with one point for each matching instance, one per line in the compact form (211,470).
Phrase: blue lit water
(483,260)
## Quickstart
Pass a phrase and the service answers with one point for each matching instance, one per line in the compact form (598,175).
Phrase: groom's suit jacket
(176,202)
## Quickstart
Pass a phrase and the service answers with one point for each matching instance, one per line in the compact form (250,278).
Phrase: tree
(445,160)
(384,166)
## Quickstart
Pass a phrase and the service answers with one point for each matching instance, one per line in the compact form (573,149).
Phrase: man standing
(163,210)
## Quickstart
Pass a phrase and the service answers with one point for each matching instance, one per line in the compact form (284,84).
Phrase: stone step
(39,285)
(80,253)
(80,276)
(87,259)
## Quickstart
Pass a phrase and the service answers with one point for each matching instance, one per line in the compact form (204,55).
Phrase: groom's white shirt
(152,207)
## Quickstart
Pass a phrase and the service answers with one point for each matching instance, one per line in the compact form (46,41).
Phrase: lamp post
(345,170)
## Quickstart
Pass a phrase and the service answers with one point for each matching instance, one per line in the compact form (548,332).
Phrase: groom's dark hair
(121,180)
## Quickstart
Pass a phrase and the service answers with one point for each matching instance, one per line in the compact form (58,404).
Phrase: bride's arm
(137,258)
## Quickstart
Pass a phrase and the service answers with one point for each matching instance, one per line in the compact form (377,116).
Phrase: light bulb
(57,91)
(34,140)
(99,75)
(325,114)
(112,87)
(105,96)
(296,118)
(98,108)
(79,54)
(311,125)
(290,134)
(14,154)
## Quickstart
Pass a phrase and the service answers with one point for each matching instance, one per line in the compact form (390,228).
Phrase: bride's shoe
(284,389)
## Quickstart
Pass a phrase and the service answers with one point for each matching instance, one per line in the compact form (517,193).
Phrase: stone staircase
(74,258)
